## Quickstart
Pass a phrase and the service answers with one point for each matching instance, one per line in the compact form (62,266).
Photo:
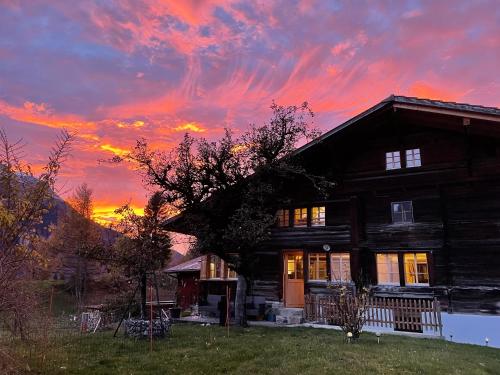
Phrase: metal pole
(158,301)
(228,300)
(151,317)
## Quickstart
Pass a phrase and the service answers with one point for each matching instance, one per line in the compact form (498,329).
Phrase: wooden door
(293,279)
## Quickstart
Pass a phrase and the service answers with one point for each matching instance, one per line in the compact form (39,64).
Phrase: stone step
(290,311)
(289,315)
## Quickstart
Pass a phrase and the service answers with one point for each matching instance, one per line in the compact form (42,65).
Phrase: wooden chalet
(415,212)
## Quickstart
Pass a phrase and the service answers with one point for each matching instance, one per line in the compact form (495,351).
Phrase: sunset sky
(115,71)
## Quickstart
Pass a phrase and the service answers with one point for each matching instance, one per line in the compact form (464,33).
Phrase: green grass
(257,350)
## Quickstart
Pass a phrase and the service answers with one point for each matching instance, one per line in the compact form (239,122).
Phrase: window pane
(299,274)
(402,212)
(215,267)
(318,216)
(282,218)
(291,267)
(413,158)
(410,270)
(388,268)
(317,266)
(341,267)
(392,160)
(300,217)
(416,268)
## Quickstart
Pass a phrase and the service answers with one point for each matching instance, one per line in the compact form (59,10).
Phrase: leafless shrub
(351,308)
(24,199)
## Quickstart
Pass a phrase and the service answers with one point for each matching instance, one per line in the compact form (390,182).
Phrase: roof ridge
(396,97)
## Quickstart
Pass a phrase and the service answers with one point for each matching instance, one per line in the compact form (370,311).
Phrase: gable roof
(192,265)
(412,103)
(404,102)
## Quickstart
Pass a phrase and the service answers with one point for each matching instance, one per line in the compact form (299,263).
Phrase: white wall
(472,329)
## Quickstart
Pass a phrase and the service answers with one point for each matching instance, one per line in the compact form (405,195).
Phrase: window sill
(417,285)
(326,282)
(317,281)
(343,282)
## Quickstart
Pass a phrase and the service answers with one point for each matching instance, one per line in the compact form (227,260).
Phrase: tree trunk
(144,288)
(240,310)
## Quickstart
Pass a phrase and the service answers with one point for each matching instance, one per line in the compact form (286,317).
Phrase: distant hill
(68,262)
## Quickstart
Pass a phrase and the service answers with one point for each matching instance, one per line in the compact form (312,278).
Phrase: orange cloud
(115,150)
(192,126)
(136,124)
(41,114)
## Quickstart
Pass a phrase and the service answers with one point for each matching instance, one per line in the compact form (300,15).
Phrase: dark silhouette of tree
(145,245)
(229,190)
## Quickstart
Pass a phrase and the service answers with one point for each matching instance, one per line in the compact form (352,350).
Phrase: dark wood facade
(455,195)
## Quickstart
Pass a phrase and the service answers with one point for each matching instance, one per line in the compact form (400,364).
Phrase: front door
(293,279)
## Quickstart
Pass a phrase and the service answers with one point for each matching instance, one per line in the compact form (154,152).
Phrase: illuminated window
(341,267)
(283,218)
(318,216)
(232,259)
(416,269)
(300,217)
(413,158)
(294,267)
(231,274)
(402,212)
(215,267)
(317,267)
(388,269)
(392,160)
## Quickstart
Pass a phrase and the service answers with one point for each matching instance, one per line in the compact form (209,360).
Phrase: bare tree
(24,199)
(74,237)
(145,244)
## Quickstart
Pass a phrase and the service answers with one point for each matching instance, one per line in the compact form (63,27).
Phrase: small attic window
(413,159)
(392,160)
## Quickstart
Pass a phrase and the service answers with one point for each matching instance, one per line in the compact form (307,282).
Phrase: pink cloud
(116,72)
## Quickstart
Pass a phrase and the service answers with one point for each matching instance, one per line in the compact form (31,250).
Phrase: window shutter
(203,267)
(225,269)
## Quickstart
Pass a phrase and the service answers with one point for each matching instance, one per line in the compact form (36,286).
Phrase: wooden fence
(401,314)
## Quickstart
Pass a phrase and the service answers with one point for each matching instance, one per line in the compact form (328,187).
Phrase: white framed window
(318,216)
(341,267)
(300,217)
(402,212)
(388,269)
(283,218)
(416,269)
(392,160)
(413,159)
(317,267)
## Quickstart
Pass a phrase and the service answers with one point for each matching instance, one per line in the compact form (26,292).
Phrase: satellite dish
(326,247)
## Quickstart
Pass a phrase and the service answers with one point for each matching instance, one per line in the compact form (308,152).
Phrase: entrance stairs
(287,315)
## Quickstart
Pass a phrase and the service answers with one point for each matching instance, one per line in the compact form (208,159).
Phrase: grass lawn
(257,350)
